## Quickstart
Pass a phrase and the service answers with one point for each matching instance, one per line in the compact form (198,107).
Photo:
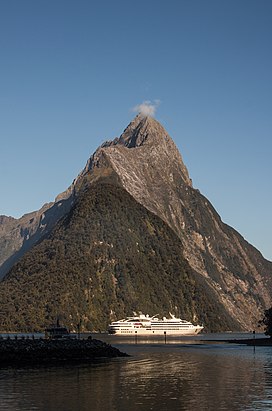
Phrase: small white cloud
(147,108)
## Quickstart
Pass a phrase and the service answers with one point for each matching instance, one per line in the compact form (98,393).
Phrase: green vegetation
(267,322)
(108,257)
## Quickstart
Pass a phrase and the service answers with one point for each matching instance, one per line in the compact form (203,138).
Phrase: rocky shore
(253,341)
(43,351)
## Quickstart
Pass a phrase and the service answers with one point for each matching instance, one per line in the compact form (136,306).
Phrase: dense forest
(109,256)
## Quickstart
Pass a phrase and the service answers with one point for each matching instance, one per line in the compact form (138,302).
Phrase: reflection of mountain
(160,378)
(192,380)
(89,258)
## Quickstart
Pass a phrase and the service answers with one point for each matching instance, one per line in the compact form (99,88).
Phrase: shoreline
(261,342)
(38,352)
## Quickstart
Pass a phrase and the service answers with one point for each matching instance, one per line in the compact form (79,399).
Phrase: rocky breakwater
(43,351)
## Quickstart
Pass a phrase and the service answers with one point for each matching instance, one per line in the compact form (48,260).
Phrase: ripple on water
(158,377)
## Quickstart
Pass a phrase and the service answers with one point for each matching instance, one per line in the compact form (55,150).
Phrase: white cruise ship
(144,325)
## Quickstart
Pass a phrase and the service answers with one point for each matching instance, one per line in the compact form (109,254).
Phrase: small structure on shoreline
(56,331)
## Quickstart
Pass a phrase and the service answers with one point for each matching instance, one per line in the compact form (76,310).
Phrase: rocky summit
(130,233)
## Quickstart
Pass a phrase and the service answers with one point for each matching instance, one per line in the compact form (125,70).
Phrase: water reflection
(156,377)
(190,380)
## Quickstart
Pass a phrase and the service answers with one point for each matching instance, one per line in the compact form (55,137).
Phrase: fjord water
(182,374)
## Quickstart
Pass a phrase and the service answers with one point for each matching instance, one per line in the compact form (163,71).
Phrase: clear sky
(71,72)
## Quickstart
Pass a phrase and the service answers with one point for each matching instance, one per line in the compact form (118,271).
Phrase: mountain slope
(151,169)
(18,235)
(145,163)
(108,257)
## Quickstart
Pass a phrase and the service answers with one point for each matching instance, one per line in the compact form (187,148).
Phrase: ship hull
(148,333)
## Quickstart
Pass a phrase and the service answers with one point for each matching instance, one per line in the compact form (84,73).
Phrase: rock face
(151,169)
(145,163)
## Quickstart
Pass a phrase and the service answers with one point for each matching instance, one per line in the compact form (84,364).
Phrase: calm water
(179,375)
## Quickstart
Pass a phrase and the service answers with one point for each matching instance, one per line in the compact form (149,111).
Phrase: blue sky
(71,72)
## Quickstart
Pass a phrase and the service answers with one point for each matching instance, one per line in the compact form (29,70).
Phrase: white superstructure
(144,325)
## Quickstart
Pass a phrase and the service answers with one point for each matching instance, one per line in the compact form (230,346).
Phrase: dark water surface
(180,375)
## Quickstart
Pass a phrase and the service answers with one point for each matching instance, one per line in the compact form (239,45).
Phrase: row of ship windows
(171,326)
(133,332)
(129,331)
(152,325)
(153,328)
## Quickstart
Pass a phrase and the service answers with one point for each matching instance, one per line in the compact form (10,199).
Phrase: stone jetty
(45,351)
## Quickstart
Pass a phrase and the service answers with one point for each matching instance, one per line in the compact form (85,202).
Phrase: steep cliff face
(151,169)
(18,235)
(145,162)
(14,233)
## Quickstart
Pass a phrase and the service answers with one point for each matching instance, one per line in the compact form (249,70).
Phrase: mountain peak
(148,135)
(140,129)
